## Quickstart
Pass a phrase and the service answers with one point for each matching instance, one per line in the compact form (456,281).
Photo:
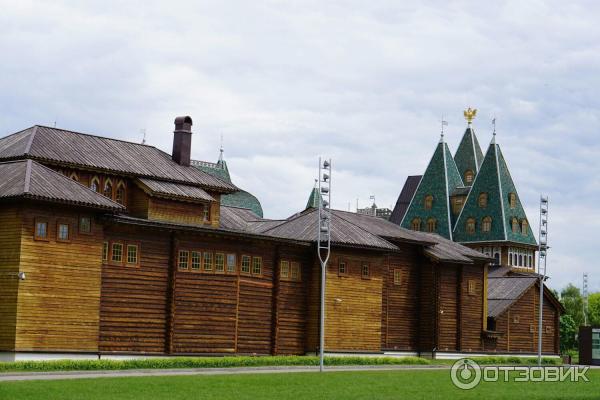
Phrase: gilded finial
(470,114)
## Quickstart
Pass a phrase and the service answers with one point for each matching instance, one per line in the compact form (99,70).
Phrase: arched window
(497,258)
(95,184)
(120,193)
(108,189)
(515,225)
(428,202)
(520,260)
(416,224)
(431,225)
(524,227)
(74,176)
(530,261)
(486,225)
(471,226)
(512,200)
(483,200)
(469,175)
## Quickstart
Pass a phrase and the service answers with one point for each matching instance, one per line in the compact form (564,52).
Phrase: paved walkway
(30,376)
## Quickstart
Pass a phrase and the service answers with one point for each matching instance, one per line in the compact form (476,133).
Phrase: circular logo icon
(465,374)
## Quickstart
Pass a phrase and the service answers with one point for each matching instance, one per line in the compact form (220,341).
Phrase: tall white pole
(542,256)
(323,244)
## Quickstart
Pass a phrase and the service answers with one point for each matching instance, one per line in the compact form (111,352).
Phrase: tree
(594,309)
(571,299)
(568,332)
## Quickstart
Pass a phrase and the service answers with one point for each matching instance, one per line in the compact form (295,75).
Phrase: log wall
(10,247)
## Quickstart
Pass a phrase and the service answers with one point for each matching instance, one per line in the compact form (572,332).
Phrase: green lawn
(408,384)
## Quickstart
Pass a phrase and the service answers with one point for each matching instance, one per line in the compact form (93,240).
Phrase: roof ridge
(96,136)
(293,218)
(27,182)
(500,186)
(363,229)
(30,141)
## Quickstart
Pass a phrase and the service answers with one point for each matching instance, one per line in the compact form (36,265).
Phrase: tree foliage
(568,333)
(572,300)
(594,309)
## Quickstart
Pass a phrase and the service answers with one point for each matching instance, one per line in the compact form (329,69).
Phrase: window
(530,261)
(284,268)
(120,193)
(469,175)
(512,200)
(196,260)
(525,227)
(416,224)
(220,262)
(491,324)
(470,226)
(208,261)
(342,268)
(74,176)
(117,253)
(516,319)
(486,224)
(108,189)
(182,260)
(483,200)
(431,225)
(85,225)
(231,263)
(132,254)
(62,232)
(105,251)
(496,258)
(95,184)
(457,205)
(397,277)
(295,271)
(206,213)
(364,271)
(245,264)
(515,225)
(41,230)
(428,202)
(548,328)
(257,266)
(472,287)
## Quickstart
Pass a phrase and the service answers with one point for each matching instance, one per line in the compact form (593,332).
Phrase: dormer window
(486,224)
(416,224)
(74,176)
(469,175)
(108,189)
(512,200)
(206,213)
(524,227)
(515,225)
(428,204)
(470,226)
(431,225)
(483,200)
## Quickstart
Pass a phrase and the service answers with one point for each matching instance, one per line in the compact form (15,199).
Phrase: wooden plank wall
(353,304)
(471,312)
(10,245)
(427,307)
(400,301)
(290,304)
(58,303)
(175,211)
(448,281)
(134,298)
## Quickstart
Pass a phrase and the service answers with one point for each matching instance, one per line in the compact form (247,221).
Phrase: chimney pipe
(182,141)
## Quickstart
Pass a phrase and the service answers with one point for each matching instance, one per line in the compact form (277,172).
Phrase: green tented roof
(495,180)
(314,199)
(440,180)
(469,155)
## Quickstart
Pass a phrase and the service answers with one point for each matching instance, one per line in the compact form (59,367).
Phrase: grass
(406,384)
(228,362)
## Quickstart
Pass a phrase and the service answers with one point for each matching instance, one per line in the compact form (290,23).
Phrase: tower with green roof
(314,199)
(469,156)
(493,220)
(430,208)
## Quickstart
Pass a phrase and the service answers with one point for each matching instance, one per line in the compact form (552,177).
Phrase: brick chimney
(182,141)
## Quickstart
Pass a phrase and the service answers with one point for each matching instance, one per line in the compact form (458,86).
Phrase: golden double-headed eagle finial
(470,114)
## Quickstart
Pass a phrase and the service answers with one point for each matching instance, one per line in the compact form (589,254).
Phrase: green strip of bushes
(230,362)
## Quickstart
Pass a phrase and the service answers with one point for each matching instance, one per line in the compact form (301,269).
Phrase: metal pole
(323,226)
(542,248)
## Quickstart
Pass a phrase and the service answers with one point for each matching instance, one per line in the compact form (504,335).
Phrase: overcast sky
(365,83)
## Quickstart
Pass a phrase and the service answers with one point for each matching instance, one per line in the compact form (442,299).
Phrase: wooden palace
(111,248)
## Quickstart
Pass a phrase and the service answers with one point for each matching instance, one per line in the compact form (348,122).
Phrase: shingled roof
(468,155)
(494,179)
(172,190)
(27,179)
(59,146)
(439,180)
(406,195)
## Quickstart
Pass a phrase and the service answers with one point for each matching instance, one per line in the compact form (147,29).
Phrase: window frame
(39,220)
(60,223)
(397,276)
(415,221)
(364,265)
(137,254)
(108,181)
(431,225)
(471,221)
(295,266)
(217,254)
(96,180)
(79,230)
(227,264)
(200,259)
(206,213)
(482,200)
(471,174)
(112,261)
(285,276)
(105,250)
(121,185)
(486,221)
(180,259)
(428,202)
(242,258)
(345,271)
(210,264)
(524,227)
(472,287)
(260,266)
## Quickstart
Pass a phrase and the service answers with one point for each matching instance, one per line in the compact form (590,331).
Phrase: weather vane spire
(444,123)
(470,114)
